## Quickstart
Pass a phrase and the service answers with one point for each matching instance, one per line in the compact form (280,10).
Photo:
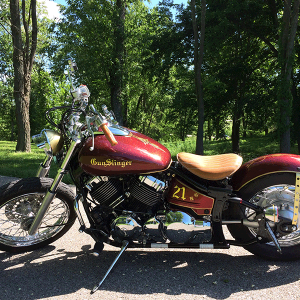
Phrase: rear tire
(19,203)
(274,189)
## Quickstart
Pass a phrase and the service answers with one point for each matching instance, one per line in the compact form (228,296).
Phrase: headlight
(49,140)
(82,92)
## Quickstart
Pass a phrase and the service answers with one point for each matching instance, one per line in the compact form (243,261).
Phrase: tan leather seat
(215,167)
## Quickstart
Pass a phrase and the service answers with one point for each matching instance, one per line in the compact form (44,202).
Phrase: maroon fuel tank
(135,153)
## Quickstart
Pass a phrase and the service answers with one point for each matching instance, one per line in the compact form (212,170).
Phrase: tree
(183,108)
(286,59)
(120,57)
(23,58)
(7,106)
(93,33)
(198,60)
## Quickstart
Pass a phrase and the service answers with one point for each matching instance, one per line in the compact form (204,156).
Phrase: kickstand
(273,237)
(123,248)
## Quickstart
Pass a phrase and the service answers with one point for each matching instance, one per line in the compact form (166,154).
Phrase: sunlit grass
(250,148)
(20,164)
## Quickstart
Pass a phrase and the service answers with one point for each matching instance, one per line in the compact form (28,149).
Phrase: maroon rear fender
(264,165)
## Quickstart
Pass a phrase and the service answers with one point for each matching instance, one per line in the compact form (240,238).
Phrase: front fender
(264,165)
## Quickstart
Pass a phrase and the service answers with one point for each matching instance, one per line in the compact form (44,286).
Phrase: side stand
(123,248)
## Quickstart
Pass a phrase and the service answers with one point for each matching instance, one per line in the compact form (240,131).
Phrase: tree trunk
(209,129)
(198,59)
(23,57)
(116,77)
(296,114)
(236,134)
(286,59)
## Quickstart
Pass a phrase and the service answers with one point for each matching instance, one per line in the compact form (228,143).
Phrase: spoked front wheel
(274,191)
(19,204)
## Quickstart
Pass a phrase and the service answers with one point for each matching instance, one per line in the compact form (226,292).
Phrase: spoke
(21,210)
(48,221)
(57,222)
(6,229)
(8,221)
(56,207)
(17,231)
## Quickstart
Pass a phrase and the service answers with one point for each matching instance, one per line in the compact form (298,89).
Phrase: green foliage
(240,70)
(7,110)
(46,93)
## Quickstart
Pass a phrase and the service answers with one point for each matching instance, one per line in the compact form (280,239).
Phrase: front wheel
(273,190)
(19,204)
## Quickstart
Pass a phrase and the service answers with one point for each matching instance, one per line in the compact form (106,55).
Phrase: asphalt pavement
(66,270)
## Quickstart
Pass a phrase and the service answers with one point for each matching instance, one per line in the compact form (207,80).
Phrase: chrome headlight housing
(82,92)
(49,140)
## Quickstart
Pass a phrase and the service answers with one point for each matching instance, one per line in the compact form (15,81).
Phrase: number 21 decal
(177,193)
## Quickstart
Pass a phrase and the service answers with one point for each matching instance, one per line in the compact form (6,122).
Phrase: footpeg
(123,248)
(98,248)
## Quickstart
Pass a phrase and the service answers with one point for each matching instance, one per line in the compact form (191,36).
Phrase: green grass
(250,148)
(22,165)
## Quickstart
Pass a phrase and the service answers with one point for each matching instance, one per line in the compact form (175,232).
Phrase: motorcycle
(134,195)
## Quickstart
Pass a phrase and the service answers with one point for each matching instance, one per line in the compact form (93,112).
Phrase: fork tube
(52,191)
(44,167)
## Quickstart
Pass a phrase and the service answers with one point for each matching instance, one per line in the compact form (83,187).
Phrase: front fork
(44,168)
(52,191)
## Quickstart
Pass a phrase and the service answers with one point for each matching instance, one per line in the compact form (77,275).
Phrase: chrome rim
(17,215)
(282,196)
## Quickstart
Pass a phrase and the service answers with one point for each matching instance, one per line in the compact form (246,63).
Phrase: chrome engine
(175,227)
(137,194)
(132,209)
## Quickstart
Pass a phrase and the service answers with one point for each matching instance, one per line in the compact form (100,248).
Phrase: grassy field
(18,164)
(250,147)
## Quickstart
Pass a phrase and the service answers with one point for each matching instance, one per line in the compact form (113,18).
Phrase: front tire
(276,189)
(20,201)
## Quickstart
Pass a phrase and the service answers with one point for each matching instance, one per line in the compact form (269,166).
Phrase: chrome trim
(49,141)
(77,210)
(44,166)
(153,182)
(159,245)
(206,246)
(181,228)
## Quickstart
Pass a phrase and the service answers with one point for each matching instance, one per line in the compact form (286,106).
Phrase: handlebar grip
(110,137)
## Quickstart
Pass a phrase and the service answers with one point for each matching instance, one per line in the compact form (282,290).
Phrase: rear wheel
(19,204)
(273,190)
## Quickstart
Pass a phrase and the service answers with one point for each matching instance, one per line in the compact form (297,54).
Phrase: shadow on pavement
(50,272)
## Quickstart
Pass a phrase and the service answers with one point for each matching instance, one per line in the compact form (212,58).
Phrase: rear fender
(264,165)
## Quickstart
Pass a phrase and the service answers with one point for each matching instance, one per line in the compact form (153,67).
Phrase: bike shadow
(52,272)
